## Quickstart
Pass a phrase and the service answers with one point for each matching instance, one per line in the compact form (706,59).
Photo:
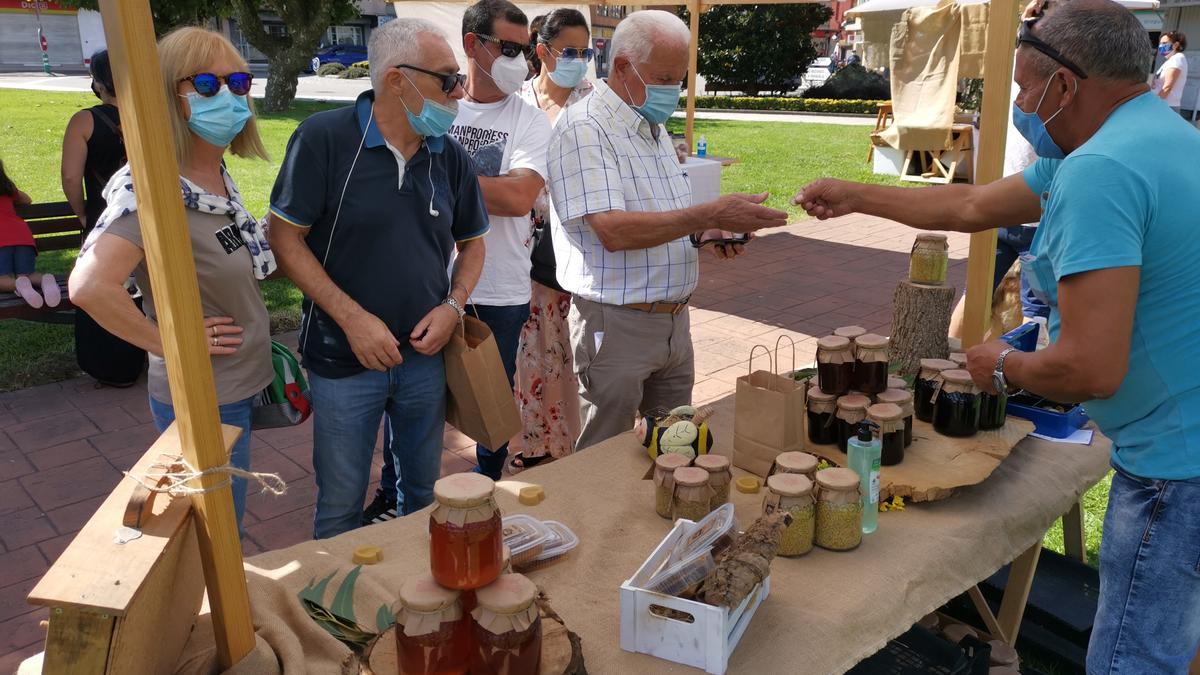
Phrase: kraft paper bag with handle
(479,400)
(768,414)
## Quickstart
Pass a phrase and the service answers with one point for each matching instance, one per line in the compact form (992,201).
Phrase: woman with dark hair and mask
(93,148)
(546,387)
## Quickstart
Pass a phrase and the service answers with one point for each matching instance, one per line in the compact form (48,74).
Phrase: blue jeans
(237,414)
(506,324)
(1148,619)
(346,416)
(1011,242)
(17,261)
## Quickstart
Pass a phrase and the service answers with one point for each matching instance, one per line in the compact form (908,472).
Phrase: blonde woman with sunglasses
(210,111)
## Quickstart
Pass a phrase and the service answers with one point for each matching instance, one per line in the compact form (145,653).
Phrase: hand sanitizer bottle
(864,452)
(702,147)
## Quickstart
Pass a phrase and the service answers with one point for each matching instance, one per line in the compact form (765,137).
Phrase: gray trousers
(628,362)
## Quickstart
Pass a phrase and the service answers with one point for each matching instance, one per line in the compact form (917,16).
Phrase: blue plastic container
(1026,406)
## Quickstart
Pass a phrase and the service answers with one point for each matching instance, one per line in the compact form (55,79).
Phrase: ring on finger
(216,341)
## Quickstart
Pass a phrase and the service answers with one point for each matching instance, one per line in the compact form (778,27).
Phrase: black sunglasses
(208,84)
(1025,36)
(507,47)
(449,80)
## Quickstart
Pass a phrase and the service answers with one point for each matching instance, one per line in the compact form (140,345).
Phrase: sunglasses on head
(449,80)
(1025,36)
(571,52)
(507,47)
(208,84)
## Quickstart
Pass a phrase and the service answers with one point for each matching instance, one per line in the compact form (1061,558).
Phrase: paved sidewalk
(63,446)
(312,88)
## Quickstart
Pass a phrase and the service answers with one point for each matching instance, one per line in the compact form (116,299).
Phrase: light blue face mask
(435,119)
(219,118)
(1034,129)
(568,73)
(661,100)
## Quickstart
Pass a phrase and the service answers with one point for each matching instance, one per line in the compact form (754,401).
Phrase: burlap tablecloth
(826,610)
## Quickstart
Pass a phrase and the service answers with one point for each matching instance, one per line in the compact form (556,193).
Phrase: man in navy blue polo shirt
(368,206)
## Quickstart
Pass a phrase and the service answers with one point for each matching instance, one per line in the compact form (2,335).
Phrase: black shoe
(381,509)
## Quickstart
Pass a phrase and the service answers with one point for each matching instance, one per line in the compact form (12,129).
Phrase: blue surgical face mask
(1034,129)
(1165,49)
(661,100)
(219,118)
(568,73)
(435,119)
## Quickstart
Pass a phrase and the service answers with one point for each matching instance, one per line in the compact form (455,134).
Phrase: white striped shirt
(604,157)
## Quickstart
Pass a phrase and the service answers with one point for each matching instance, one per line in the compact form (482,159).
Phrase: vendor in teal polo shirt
(1117,258)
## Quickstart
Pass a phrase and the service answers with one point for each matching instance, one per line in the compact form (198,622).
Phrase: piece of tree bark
(920,324)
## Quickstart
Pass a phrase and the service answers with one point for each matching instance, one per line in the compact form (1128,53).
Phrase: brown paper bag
(768,415)
(479,401)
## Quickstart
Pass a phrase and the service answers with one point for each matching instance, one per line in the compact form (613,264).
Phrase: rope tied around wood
(173,477)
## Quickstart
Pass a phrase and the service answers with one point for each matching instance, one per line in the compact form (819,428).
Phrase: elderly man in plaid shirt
(621,224)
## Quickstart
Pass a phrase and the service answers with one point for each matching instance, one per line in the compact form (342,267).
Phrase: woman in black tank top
(93,148)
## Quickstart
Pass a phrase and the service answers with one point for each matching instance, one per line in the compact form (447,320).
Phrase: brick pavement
(63,445)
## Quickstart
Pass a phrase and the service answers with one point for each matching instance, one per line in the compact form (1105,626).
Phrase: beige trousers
(628,362)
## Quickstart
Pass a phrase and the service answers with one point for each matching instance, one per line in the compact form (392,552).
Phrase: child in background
(18,251)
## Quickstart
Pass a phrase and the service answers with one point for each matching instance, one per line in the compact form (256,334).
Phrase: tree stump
(920,324)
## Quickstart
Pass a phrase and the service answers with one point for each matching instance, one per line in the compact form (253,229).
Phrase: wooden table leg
(1074,542)
(1016,592)
(985,613)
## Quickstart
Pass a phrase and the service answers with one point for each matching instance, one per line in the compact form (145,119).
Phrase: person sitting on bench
(18,251)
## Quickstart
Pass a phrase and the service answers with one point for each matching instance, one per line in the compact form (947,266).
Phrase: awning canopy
(900,5)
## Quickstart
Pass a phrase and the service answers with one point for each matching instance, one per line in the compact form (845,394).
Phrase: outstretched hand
(741,212)
(826,198)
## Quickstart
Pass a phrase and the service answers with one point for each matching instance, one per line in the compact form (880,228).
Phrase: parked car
(347,55)
(818,71)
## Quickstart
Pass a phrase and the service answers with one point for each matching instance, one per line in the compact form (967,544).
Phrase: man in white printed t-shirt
(508,138)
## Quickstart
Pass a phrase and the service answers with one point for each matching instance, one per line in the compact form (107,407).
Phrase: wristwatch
(455,306)
(998,380)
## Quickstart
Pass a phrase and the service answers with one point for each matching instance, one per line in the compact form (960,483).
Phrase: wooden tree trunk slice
(920,324)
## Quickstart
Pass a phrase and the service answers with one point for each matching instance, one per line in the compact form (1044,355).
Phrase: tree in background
(757,48)
(287,54)
(169,14)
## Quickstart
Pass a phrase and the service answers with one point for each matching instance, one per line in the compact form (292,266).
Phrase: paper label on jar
(875,482)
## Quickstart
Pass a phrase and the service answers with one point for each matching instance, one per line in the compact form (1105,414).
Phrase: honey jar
(466,544)
(432,632)
(506,627)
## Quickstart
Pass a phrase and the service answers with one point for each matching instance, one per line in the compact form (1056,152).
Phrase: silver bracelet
(455,306)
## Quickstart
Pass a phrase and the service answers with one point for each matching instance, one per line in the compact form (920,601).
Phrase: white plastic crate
(706,642)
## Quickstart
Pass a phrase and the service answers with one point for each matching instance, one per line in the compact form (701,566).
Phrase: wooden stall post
(993,127)
(695,9)
(144,109)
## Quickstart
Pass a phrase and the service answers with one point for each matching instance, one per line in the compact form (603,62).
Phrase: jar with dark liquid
(871,363)
(956,412)
(929,381)
(466,543)
(822,417)
(432,632)
(890,420)
(851,333)
(852,409)
(835,365)
(993,410)
(507,628)
(904,399)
